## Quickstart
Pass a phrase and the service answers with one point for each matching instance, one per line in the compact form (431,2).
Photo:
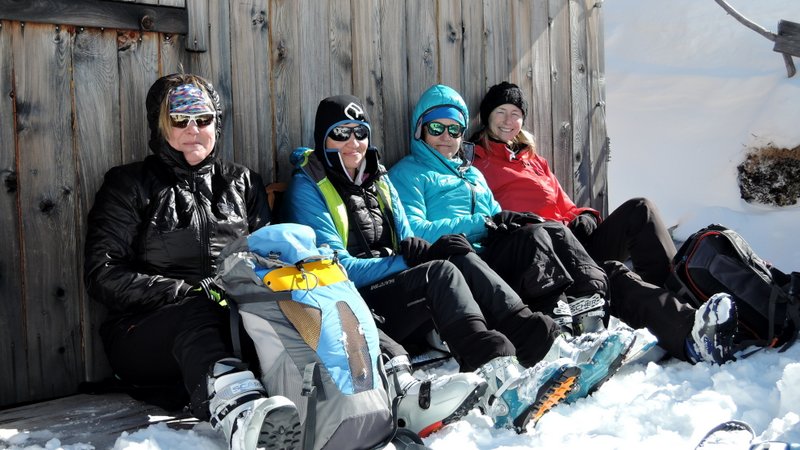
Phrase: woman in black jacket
(154,233)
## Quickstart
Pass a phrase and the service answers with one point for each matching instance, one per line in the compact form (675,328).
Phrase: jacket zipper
(202,223)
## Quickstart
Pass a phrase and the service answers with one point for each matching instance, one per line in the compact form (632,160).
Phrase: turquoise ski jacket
(441,196)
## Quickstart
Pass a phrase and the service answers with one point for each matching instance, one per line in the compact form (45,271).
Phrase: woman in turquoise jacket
(442,193)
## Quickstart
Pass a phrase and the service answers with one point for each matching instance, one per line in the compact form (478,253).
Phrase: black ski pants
(644,305)
(436,294)
(544,262)
(635,230)
(173,344)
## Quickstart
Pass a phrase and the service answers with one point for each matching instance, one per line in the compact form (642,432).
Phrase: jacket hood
(155,98)
(435,96)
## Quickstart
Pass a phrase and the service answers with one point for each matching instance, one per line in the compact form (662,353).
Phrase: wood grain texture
(48,189)
(97,146)
(286,68)
(394,76)
(13,340)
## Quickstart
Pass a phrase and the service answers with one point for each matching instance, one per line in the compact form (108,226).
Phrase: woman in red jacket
(521,180)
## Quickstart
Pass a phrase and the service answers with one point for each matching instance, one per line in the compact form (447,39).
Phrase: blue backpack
(315,337)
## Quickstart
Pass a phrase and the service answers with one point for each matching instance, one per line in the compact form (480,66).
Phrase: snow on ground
(689,90)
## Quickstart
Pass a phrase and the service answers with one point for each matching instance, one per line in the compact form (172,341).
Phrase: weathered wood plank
(197,32)
(598,148)
(48,183)
(286,68)
(367,72)
(450,42)
(540,116)
(579,80)
(97,144)
(89,419)
(421,48)
(13,341)
(138,69)
(175,3)
(474,80)
(314,46)
(340,47)
(96,13)
(250,70)
(561,102)
(499,42)
(394,73)
(216,65)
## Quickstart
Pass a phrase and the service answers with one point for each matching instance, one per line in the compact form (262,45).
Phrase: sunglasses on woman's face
(437,128)
(342,133)
(182,120)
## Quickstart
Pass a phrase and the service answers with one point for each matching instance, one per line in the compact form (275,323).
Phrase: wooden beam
(97,13)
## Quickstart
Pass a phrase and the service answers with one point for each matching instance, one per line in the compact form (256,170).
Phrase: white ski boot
(426,406)
(517,396)
(248,418)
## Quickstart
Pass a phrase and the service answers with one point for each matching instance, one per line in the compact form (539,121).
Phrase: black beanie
(501,94)
(334,111)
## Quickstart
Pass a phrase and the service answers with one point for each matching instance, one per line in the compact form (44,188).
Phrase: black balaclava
(332,112)
(155,98)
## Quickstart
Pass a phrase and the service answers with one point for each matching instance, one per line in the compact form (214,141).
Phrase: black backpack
(717,259)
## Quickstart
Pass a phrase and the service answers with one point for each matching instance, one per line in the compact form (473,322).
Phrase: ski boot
(249,420)
(517,396)
(587,314)
(598,355)
(714,330)
(426,406)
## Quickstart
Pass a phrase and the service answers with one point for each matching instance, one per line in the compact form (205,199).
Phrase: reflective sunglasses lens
(454,131)
(204,120)
(435,128)
(361,132)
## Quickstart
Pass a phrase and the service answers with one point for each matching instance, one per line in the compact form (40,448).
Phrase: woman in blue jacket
(340,190)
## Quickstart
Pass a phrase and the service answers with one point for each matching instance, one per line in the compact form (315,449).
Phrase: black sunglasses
(436,128)
(342,133)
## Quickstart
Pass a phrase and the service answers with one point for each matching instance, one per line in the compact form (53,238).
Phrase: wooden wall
(72,106)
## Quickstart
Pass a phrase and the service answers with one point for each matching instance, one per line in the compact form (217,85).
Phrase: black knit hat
(334,111)
(501,94)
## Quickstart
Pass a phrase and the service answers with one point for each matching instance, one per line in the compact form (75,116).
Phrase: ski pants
(634,230)
(436,294)
(543,262)
(644,305)
(173,344)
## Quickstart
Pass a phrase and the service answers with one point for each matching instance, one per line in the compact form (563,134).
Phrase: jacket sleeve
(304,204)
(110,269)
(411,189)
(258,213)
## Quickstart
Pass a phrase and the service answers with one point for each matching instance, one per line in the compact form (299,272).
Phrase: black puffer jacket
(370,232)
(157,226)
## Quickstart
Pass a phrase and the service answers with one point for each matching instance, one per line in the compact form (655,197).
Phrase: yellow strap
(317,273)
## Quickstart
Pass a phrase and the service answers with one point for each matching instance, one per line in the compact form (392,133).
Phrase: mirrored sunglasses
(437,128)
(178,120)
(342,133)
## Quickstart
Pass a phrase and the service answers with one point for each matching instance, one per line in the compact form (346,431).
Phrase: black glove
(206,289)
(414,250)
(513,219)
(449,245)
(583,225)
